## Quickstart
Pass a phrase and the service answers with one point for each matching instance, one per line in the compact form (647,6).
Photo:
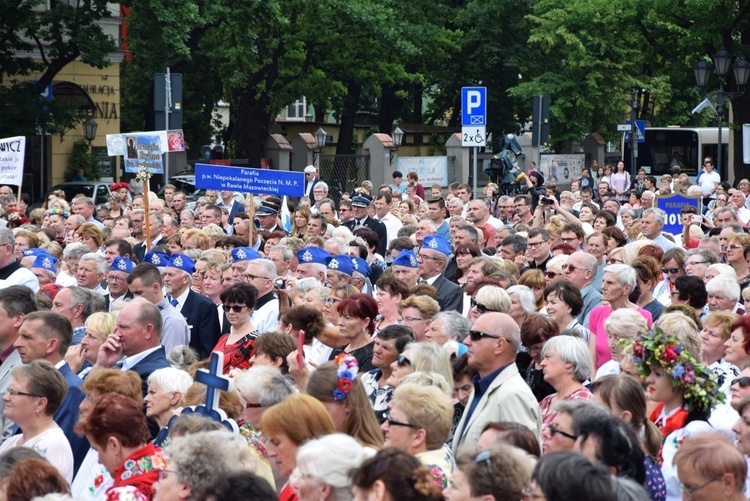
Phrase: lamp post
(320,141)
(89,131)
(722,61)
(398,136)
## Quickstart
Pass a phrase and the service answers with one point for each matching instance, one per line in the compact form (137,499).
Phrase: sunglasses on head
(744,382)
(481,309)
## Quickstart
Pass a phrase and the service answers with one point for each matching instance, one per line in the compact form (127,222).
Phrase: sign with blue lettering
(248,180)
(473,106)
(640,129)
(672,205)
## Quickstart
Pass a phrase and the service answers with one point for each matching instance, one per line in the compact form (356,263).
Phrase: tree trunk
(250,125)
(348,117)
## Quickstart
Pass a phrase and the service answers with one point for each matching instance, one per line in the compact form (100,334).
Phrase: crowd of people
(392,344)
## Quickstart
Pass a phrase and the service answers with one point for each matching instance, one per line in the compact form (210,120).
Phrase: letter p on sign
(473,106)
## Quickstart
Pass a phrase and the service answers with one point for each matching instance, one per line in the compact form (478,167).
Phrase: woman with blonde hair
(24,240)
(90,235)
(536,281)
(488,298)
(99,326)
(421,357)
(299,222)
(336,385)
(289,424)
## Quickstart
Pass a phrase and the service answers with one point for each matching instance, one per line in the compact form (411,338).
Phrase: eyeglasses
(13,393)
(402,361)
(570,268)
(613,260)
(162,474)
(690,490)
(674,293)
(112,278)
(387,418)
(331,301)
(551,275)
(233,307)
(481,309)
(249,405)
(567,240)
(478,335)
(249,276)
(744,382)
(671,271)
(424,256)
(534,245)
(693,263)
(734,246)
(412,319)
(554,430)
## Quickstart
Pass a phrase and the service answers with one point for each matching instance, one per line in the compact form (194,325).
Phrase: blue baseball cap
(437,243)
(182,262)
(158,259)
(122,264)
(406,258)
(244,254)
(307,255)
(340,263)
(361,266)
(46,262)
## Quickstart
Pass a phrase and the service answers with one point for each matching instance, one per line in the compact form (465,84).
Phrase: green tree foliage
(82,160)
(45,40)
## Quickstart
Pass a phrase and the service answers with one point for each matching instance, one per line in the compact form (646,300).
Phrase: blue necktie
(175,303)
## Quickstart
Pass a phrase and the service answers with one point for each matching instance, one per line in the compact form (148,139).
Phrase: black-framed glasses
(693,263)
(251,277)
(554,430)
(402,361)
(534,245)
(690,490)
(481,309)
(387,417)
(567,240)
(734,246)
(671,271)
(570,268)
(13,393)
(744,382)
(250,405)
(233,307)
(478,335)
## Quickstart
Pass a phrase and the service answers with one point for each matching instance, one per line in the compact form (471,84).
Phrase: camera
(547,200)
(279,283)
(696,219)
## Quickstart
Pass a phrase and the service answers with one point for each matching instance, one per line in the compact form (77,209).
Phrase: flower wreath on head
(346,372)
(16,218)
(57,212)
(656,348)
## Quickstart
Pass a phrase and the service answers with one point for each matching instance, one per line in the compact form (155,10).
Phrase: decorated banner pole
(146,216)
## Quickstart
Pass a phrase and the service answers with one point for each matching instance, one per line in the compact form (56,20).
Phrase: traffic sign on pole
(474,136)
(640,130)
(474,106)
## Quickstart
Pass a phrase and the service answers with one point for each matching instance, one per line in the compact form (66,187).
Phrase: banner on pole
(12,151)
(170,141)
(245,180)
(143,153)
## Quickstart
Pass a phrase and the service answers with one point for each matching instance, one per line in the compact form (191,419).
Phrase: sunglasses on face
(478,335)
(391,422)
(402,361)
(743,382)
(233,307)
(671,271)
(482,309)
(551,275)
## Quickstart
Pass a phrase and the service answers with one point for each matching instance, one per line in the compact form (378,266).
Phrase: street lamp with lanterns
(397,135)
(320,142)
(722,61)
(89,130)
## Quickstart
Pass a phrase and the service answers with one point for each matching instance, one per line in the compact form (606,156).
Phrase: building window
(297,110)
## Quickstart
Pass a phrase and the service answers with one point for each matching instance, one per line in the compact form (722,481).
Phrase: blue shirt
(480,388)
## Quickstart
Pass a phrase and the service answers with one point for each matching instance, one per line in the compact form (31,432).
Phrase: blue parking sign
(473,106)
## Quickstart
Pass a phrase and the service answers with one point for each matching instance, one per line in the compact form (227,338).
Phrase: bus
(690,146)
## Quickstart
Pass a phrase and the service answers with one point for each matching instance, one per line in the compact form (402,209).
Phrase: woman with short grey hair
(324,465)
(522,302)
(618,283)
(566,364)
(196,460)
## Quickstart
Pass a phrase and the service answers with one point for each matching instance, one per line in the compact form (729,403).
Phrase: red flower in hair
(344,385)
(669,353)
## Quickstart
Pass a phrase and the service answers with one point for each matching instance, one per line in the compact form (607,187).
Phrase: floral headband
(57,212)
(347,371)
(656,348)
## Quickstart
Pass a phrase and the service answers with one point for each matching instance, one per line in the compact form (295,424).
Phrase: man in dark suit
(232,205)
(136,338)
(199,311)
(432,258)
(46,335)
(360,203)
(311,179)
(155,222)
